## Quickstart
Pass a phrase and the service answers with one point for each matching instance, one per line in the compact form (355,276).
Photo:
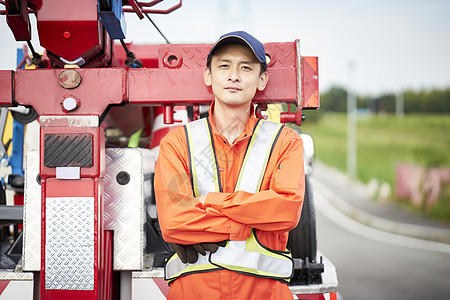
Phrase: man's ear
(207,76)
(263,79)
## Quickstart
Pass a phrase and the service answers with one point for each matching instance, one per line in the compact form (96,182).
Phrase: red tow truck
(90,225)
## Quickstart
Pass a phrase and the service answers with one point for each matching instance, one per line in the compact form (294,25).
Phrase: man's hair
(208,62)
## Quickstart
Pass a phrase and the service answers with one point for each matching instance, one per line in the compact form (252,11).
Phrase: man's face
(235,75)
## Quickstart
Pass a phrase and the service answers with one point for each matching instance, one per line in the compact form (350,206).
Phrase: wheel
(25,118)
(302,239)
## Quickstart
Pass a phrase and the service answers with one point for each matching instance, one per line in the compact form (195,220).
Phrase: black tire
(302,239)
(25,118)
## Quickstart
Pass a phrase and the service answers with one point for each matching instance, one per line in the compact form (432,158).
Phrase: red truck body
(83,77)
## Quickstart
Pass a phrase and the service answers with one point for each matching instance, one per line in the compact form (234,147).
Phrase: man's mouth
(233,88)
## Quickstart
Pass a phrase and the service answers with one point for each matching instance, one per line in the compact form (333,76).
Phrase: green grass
(382,142)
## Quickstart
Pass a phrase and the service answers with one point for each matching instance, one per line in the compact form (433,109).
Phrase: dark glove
(188,253)
(211,247)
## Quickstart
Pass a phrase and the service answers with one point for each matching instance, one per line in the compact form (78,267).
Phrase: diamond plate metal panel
(282,54)
(22,276)
(69,248)
(125,203)
(155,273)
(124,206)
(191,56)
(32,214)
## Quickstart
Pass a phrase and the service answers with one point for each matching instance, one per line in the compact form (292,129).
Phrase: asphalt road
(375,265)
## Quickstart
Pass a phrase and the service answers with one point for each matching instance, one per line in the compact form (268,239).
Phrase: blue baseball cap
(243,38)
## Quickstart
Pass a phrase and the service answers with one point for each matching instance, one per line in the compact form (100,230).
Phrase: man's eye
(223,66)
(246,68)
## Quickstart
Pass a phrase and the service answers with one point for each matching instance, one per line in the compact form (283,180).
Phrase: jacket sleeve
(278,206)
(182,217)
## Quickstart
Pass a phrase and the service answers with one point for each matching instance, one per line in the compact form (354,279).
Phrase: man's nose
(234,75)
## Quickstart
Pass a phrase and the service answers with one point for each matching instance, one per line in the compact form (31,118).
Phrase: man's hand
(189,253)
(186,253)
(211,247)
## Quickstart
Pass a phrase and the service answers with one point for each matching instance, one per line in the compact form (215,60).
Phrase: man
(230,177)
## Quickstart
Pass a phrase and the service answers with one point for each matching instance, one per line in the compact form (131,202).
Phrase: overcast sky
(393,44)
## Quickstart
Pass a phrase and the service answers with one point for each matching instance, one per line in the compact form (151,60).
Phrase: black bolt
(123,178)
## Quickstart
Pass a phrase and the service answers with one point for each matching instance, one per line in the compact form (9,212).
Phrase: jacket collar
(246,133)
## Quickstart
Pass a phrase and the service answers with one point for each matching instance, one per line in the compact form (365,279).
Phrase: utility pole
(351,123)
(399,107)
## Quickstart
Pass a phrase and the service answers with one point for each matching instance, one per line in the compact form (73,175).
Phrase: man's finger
(211,247)
(181,251)
(191,254)
(199,249)
(222,243)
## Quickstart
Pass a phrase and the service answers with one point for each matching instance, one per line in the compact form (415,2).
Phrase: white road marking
(323,205)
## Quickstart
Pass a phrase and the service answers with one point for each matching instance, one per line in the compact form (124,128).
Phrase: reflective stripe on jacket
(246,257)
(274,210)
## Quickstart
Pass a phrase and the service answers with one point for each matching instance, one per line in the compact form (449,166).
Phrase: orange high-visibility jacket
(229,215)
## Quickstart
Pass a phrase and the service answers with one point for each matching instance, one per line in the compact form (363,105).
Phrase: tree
(334,100)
